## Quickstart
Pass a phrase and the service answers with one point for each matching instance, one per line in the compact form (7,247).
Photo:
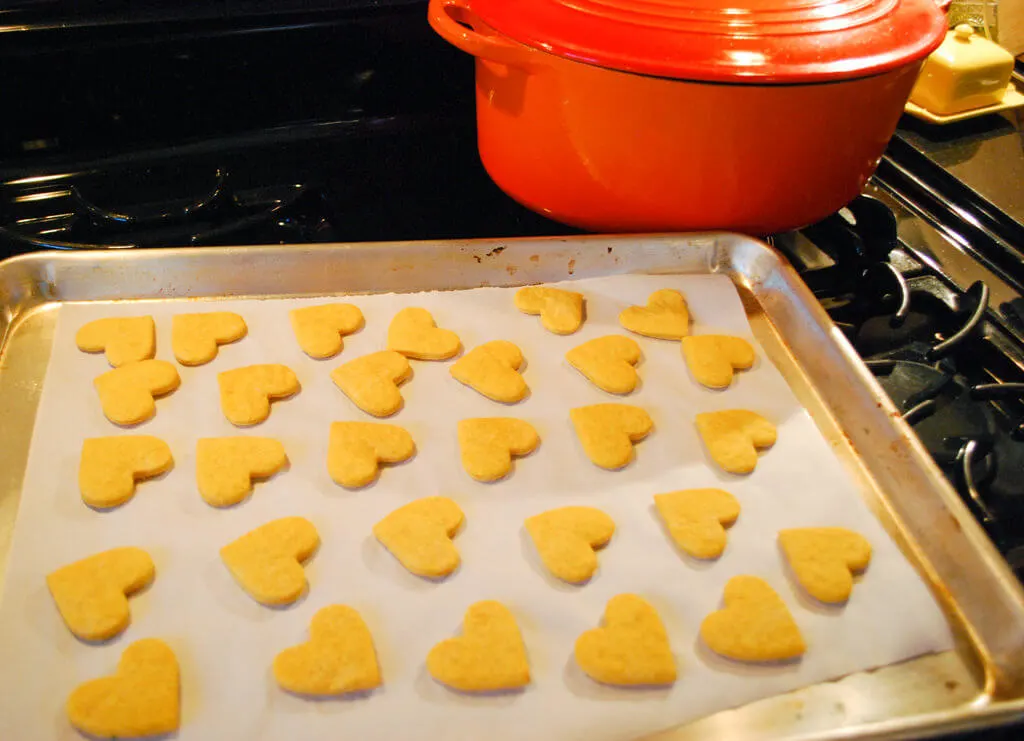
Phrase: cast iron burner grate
(933,350)
(291,213)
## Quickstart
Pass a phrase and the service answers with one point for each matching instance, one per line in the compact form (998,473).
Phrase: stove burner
(906,339)
(937,404)
(296,213)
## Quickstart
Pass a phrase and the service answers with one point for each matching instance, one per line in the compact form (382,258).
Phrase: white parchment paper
(226,642)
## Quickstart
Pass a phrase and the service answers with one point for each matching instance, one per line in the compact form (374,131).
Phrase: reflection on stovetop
(374,179)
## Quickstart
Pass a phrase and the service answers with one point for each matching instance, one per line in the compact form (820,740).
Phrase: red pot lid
(772,41)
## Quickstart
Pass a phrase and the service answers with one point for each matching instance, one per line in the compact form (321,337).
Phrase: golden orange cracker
(631,648)
(267,562)
(488,656)
(338,658)
(419,534)
(92,594)
(141,699)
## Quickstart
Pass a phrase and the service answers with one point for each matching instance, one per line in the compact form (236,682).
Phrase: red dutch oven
(669,115)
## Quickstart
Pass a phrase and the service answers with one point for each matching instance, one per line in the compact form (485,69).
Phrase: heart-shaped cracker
(371,381)
(488,444)
(246,393)
(195,337)
(608,362)
(666,316)
(608,431)
(566,539)
(126,339)
(141,699)
(226,466)
(267,562)
(696,519)
(733,436)
(754,624)
(91,594)
(630,649)
(713,357)
(356,450)
(126,393)
(824,559)
(414,333)
(488,656)
(492,369)
(560,311)
(110,466)
(419,534)
(320,329)
(338,658)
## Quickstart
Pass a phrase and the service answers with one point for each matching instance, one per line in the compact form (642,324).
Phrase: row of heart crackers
(110,468)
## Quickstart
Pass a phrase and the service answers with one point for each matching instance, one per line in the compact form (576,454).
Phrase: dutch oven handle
(456,22)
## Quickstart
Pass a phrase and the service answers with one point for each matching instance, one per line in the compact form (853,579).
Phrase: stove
(350,121)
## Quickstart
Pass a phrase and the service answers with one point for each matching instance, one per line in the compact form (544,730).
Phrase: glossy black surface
(977,164)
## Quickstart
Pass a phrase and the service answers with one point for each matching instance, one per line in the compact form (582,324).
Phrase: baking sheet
(226,643)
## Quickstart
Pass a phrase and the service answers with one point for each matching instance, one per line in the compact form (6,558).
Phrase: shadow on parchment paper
(227,593)
(583,686)
(741,669)
(294,703)
(531,557)
(435,692)
(66,730)
(378,560)
(697,564)
(52,627)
